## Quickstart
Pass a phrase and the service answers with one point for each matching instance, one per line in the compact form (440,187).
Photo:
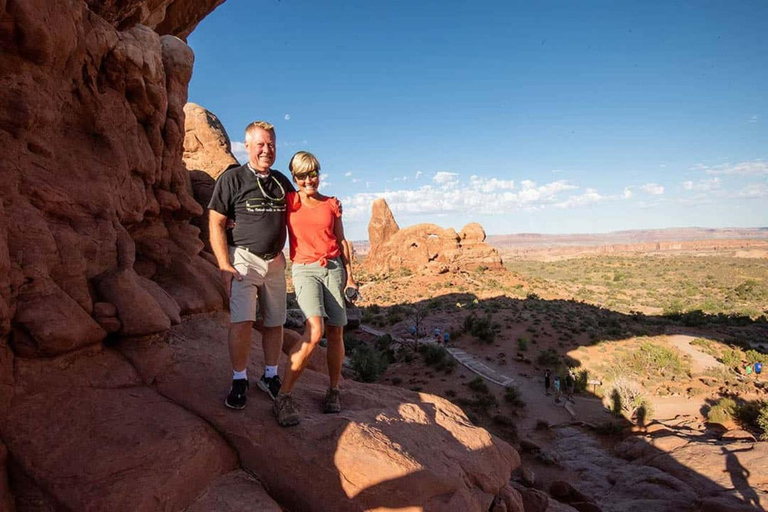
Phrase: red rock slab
(6,500)
(235,492)
(389,448)
(113,449)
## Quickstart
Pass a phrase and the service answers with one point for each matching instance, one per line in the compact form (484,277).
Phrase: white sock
(239,375)
(270,371)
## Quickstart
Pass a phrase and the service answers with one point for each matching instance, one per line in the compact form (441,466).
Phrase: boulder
(207,146)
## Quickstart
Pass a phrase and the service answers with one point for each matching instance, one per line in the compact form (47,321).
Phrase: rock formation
(96,243)
(425,247)
(207,153)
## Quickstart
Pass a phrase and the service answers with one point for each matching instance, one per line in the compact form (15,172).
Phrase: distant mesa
(425,248)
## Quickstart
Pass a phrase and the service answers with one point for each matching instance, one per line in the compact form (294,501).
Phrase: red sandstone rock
(85,430)
(104,309)
(50,322)
(6,500)
(235,492)
(110,324)
(138,311)
(91,124)
(207,146)
(425,247)
(207,153)
(379,452)
(382,224)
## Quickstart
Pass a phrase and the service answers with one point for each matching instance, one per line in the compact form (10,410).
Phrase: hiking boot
(237,398)
(332,402)
(270,386)
(286,411)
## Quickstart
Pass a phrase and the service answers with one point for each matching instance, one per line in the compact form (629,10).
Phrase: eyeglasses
(310,174)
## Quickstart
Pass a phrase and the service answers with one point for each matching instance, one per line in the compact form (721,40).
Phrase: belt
(264,256)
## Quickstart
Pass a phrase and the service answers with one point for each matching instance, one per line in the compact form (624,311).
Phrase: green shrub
(478,385)
(351,342)
(731,358)
(722,412)
(652,359)
(762,421)
(368,363)
(512,396)
(548,357)
(480,328)
(434,355)
(753,356)
(522,344)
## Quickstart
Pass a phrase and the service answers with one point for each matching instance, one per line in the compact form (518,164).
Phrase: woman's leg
(335,353)
(299,358)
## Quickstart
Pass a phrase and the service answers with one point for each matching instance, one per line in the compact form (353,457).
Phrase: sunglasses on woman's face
(310,174)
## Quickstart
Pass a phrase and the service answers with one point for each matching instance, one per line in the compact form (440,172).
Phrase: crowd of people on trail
(557,383)
(252,211)
(441,336)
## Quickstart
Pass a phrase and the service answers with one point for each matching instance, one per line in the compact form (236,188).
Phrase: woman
(322,272)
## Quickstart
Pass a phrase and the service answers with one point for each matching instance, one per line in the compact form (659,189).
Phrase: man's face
(261,150)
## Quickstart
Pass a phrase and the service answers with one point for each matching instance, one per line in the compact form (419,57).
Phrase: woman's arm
(346,253)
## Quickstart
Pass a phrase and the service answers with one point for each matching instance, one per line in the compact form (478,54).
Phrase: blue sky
(548,117)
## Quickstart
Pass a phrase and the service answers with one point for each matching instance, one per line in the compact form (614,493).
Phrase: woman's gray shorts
(320,290)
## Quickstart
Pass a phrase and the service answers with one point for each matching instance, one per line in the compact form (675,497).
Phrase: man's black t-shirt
(257,205)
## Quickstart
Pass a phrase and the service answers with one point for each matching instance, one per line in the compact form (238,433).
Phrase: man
(253,266)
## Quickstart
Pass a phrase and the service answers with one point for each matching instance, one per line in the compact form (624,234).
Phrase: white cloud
(754,168)
(238,149)
(703,185)
(449,195)
(653,189)
(754,191)
(491,184)
(588,197)
(348,174)
(754,119)
(418,174)
(287,117)
(446,179)
(627,193)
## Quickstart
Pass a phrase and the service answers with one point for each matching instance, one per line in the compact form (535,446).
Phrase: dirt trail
(700,360)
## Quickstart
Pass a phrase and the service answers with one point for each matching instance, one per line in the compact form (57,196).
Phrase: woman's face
(308,183)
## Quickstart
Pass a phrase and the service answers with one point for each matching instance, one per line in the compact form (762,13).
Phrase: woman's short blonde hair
(302,163)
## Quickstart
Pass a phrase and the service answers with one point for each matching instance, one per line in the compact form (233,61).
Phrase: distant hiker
(570,384)
(758,369)
(322,276)
(557,388)
(748,369)
(252,264)
(547,382)
(446,338)
(437,335)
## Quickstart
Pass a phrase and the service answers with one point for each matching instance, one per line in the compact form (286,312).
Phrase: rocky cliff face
(96,239)
(425,247)
(95,200)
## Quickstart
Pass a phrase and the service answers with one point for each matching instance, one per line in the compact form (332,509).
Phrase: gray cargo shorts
(320,290)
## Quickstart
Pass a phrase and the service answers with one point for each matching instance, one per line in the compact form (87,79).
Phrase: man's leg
(239,344)
(242,307)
